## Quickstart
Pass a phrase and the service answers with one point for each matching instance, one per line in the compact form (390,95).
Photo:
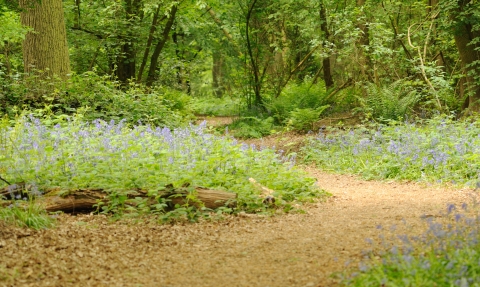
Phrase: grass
(120,158)
(446,254)
(439,150)
(26,214)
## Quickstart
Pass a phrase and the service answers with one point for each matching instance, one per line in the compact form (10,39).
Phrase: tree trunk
(45,49)
(257,84)
(217,74)
(152,72)
(153,28)
(364,42)
(126,58)
(432,6)
(464,34)
(327,72)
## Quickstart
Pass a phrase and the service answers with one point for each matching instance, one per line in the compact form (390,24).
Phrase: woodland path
(284,250)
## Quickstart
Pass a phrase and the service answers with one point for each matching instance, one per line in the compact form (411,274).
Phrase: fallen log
(13,190)
(85,200)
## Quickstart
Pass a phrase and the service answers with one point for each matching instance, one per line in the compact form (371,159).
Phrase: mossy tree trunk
(45,48)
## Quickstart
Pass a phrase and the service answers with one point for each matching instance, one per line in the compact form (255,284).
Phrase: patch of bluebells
(117,157)
(440,150)
(446,254)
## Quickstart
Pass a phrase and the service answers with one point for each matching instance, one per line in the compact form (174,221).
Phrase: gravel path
(285,250)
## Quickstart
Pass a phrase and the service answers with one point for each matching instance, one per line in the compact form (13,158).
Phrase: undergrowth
(393,102)
(97,97)
(439,150)
(71,154)
(26,214)
(213,106)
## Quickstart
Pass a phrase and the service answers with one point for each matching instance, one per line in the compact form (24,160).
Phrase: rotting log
(209,198)
(84,200)
(13,190)
(81,200)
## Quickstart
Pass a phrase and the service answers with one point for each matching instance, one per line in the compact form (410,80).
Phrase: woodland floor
(249,250)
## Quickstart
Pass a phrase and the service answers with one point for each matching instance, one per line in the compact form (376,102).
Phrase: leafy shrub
(439,150)
(393,102)
(303,119)
(99,97)
(251,127)
(445,255)
(297,96)
(213,106)
(12,33)
(74,154)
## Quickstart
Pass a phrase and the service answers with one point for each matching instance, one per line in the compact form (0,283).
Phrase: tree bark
(84,200)
(45,48)
(327,72)
(257,85)
(153,28)
(126,58)
(217,74)
(152,72)
(364,42)
(469,56)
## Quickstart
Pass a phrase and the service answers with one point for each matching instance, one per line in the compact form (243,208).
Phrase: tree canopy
(255,49)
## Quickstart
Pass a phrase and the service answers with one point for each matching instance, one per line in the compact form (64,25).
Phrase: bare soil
(244,250)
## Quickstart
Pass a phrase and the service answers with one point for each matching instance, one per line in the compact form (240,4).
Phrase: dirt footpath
(286,250)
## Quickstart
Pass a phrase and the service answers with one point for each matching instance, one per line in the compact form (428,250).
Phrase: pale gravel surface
(286,250)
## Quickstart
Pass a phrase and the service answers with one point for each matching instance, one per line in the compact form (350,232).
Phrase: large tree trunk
(45,48)
(469,56)
(327,70)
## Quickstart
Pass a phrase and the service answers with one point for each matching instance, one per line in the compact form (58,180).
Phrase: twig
(4,180)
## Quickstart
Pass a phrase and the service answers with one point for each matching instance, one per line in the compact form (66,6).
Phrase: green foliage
(445,255)
(73,154)
(251,127)
(312,97)
(11,30)
(26,214)
(96,97)
(393,102)
(438,150)
(303,119)
(12,34)
(212,106)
